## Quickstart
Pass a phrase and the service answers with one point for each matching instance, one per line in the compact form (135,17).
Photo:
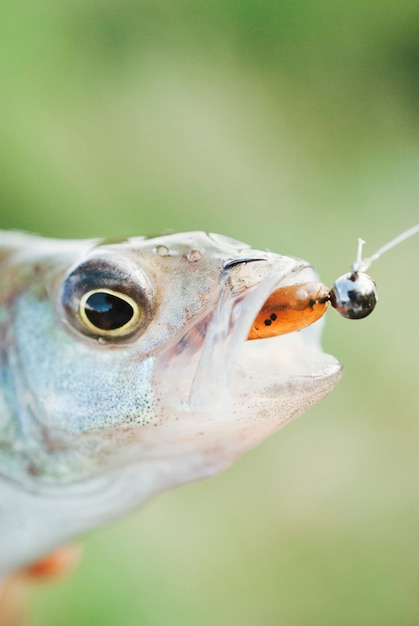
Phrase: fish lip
(242,359)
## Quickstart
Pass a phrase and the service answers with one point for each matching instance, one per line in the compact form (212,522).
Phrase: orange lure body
(289,309)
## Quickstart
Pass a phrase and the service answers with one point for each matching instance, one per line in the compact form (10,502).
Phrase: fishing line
(354,295)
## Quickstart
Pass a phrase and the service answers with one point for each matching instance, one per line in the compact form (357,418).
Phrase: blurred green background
(292,126)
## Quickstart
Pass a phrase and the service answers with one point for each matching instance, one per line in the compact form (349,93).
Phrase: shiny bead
(354,295)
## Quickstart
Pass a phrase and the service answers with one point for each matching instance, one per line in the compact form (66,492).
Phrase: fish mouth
(289,368)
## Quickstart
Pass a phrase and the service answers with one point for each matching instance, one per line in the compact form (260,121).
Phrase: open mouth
(255,335)
(284,337)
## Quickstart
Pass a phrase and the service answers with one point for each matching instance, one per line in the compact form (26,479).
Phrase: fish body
(125,370)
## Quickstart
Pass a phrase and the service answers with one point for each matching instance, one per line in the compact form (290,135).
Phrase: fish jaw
(232,393)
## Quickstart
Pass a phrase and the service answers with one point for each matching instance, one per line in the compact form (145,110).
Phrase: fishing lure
(353,295)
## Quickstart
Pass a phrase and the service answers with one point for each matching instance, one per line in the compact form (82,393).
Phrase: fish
(135,366)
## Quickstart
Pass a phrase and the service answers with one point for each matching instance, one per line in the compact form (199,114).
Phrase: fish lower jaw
(279,378)
(287,356)
(269,379)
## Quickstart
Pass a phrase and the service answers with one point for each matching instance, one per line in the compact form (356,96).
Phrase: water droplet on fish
(194,255)
(162,250)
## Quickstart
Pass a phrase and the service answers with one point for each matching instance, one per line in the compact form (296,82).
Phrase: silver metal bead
(354,295)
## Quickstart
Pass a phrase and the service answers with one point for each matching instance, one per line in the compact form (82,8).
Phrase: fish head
(135,353)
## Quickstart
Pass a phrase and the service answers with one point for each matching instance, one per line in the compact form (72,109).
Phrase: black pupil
(108,312)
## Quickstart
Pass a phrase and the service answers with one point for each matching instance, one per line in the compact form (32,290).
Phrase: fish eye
(108,312)
(354,295)
(108,297)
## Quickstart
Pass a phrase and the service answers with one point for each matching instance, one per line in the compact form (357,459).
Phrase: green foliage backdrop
(293,126)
